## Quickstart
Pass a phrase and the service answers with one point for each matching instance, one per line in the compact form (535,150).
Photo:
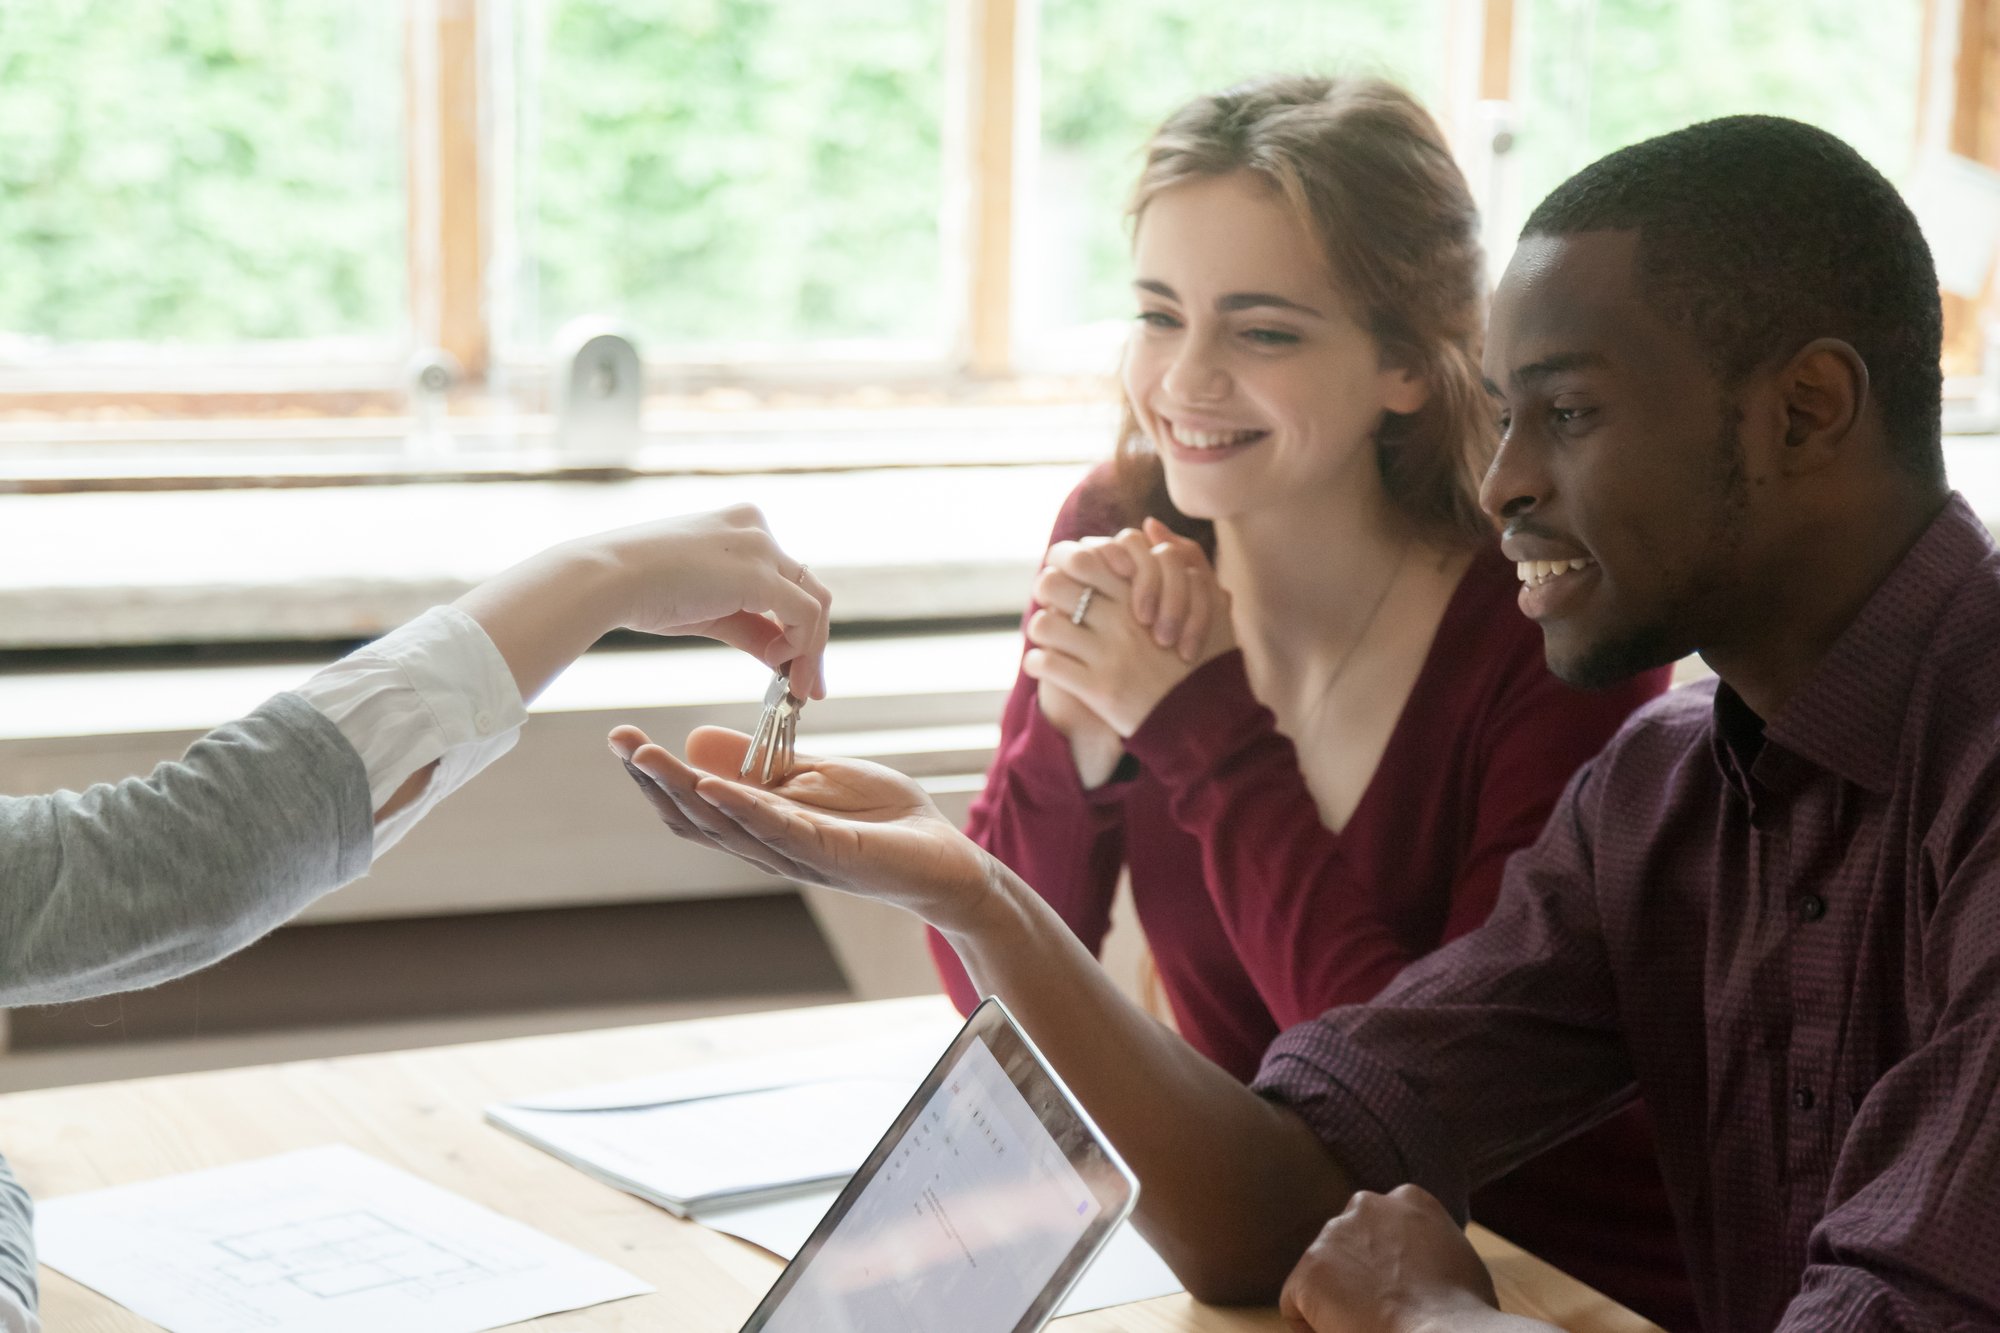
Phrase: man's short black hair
(1760,234)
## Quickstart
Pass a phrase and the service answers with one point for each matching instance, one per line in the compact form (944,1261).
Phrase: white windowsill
(895,544)
(92,569)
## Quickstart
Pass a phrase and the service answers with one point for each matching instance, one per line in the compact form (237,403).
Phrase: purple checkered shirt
(1785,936)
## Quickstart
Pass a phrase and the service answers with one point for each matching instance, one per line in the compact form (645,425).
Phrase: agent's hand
(720,574)
(723,576)
(1392,1263)
(843,823)
(1115,660)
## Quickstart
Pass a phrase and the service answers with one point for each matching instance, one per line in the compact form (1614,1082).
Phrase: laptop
(978,1210)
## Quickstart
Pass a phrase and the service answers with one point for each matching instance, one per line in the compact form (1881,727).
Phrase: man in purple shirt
(1772,905)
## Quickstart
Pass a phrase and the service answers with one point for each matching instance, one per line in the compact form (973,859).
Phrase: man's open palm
(845,823)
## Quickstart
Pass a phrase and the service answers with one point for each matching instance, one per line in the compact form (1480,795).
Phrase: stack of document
(760,1148)
(734,1133)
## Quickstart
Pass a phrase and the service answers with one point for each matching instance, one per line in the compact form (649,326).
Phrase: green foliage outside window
(209,171)
(201,170)
(736,170)
(1600,74)
(1111,70)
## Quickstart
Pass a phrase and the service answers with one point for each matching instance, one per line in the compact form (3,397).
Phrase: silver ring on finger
(1082,607)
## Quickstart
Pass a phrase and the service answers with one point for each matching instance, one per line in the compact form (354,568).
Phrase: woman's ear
(1403,391)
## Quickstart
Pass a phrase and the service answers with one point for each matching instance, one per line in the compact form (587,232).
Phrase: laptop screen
(973,1214)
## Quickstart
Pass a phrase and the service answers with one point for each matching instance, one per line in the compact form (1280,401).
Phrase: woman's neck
(1306,579)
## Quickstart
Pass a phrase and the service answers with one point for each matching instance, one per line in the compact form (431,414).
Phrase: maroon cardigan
(1259,917)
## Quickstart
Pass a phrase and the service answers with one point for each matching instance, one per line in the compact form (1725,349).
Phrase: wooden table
(420,1110)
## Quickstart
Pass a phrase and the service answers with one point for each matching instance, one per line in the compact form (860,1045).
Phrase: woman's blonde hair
(1366,168)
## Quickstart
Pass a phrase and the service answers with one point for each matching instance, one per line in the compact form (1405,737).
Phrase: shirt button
(1803,1098)
(1812,907)
(484,721)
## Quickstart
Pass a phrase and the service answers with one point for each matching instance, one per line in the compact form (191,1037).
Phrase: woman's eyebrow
(1253,300)
(1234,301)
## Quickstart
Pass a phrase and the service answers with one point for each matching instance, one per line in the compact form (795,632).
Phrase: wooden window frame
(1972,132)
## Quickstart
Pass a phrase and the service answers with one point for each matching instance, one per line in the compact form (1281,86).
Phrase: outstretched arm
(1234,1187)
(721,575)
(132,883)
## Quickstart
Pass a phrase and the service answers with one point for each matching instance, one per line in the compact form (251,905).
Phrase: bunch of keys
(773,744)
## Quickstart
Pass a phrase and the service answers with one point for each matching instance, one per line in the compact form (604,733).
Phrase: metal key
(774,743)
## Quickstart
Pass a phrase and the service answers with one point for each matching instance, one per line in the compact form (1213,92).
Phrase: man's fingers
(654,772)
(677,782)
(1291,1305)
(717,750)
(626,738)
(768,821)
(628,741)
(663,805)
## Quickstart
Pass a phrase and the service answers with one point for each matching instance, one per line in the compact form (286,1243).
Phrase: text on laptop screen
(965,1222)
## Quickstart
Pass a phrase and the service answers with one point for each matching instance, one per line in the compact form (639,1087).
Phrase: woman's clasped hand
(1152,612)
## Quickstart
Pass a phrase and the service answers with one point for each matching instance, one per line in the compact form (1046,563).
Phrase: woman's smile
(1188,443)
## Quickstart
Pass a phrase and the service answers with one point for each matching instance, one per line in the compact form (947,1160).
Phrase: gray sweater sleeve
(17,1239)
(131,884)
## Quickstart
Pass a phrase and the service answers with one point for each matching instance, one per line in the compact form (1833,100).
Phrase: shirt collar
(1735,736)
(1848,717)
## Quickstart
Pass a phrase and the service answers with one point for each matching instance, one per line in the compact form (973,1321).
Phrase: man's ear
(1821,392)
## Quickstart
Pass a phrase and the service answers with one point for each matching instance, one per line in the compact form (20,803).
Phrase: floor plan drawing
(323,1240)
(345,1253)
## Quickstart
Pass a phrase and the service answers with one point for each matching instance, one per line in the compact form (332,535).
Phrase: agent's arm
(132,883)
(434,703)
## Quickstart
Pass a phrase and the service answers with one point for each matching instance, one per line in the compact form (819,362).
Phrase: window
(225,208)
(187,172)
(1111,70)
(726,172)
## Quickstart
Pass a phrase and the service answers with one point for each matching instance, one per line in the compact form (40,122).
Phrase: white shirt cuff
(435,690)
(14,1316)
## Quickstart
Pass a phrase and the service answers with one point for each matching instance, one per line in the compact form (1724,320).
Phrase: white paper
(905,1055)
(687,1151)
(325,1240)
(1126,1269)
